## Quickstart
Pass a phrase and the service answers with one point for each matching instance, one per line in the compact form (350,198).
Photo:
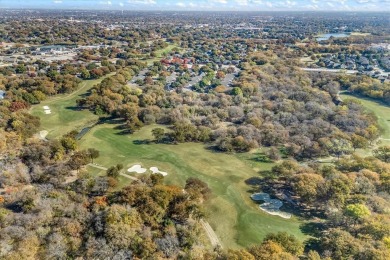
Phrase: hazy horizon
(205,5)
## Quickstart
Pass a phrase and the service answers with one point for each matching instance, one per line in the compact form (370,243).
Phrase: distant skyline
(205,5)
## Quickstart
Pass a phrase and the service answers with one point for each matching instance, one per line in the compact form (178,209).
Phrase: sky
(205,5)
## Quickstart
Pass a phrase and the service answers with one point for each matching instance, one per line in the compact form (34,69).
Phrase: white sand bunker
(43,134)
(137,169)
(155,170)
(271,206)
(47,110)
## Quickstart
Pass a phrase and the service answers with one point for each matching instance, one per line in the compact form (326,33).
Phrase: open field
(360,34)
(63,117)
(236,219)
(381,110)
(166,50)
(308,61)
(162,53)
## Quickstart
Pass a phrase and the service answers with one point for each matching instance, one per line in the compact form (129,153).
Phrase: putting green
(63,117)
(236,219)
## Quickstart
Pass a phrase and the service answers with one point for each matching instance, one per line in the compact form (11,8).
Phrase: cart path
(211,234)
(105,169)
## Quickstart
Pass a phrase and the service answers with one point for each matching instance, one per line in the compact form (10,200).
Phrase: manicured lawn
(381,110)
(63,117)
(236,219)
(162,53)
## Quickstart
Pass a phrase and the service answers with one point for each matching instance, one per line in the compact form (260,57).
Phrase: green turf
(63,118)
(381,110)
(166,50)
(162,53)
(236,219)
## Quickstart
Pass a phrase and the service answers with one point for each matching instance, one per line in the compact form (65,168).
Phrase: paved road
(228,79)
(211,234)
(97,166)
(171,78)
(194,80)
(331,70)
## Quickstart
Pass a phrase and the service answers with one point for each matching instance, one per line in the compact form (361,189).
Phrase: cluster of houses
(350,62)
(179,60)
(380,47)
(176,60)
(376,68)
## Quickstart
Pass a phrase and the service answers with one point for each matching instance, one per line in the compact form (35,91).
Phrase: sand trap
(277,213)
(137,169)
(155,170)
(43,134)
(271,206)
(47,110)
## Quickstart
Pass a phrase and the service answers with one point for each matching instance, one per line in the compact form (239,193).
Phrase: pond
(271,206)
(326,36)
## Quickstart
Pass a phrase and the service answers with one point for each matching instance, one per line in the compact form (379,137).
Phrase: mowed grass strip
(236,219)
(162,53)
(64,115)
(381,110)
